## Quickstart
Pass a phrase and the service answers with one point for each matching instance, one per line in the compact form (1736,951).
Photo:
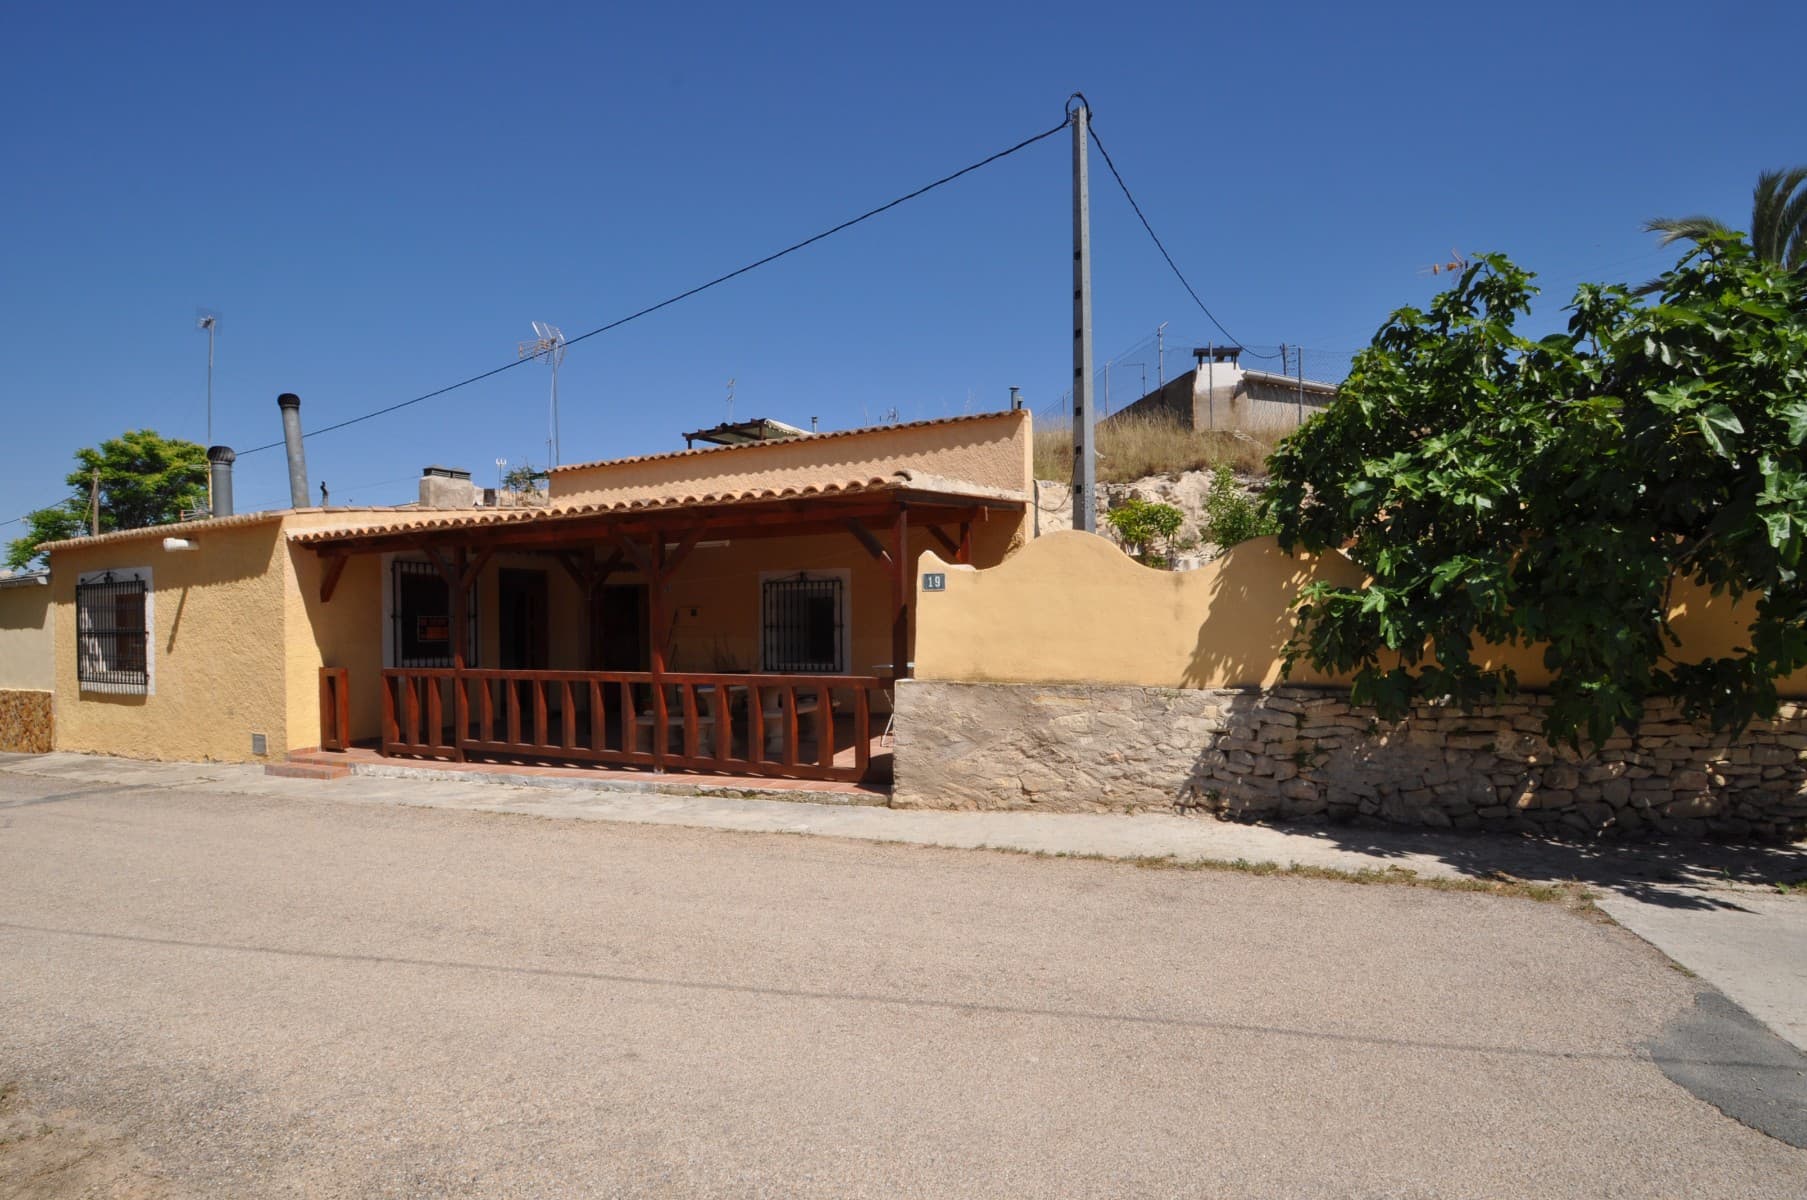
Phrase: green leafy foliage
(1509,491)
(1145,527)
(524,478)
(145,480)
(1231,514)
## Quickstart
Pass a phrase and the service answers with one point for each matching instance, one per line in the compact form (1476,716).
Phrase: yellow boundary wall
(1071,607)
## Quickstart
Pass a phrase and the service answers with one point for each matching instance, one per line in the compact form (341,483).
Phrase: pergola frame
(460,548)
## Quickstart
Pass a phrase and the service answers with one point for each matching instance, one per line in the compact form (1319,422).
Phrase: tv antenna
(730,402)
(548,343)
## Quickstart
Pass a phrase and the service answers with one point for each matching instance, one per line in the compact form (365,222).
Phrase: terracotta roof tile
(184,528)
(422,519)
(742,447)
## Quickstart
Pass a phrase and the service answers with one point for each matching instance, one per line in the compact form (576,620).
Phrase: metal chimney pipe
(220,460)
(290,404)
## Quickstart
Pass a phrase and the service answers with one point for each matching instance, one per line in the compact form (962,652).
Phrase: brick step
(307,770)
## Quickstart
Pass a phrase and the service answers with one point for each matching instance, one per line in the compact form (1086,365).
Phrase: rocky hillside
(1186,491)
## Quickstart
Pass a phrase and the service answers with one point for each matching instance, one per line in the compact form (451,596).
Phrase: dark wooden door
(521,606)
(618,631)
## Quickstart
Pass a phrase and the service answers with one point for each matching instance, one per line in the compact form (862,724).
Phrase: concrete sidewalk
(1715,909)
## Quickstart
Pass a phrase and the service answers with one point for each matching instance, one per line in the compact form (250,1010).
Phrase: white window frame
(119,574)
(844,651)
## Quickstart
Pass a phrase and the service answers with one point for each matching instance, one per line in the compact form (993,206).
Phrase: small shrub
(1145,528)
(1231,514)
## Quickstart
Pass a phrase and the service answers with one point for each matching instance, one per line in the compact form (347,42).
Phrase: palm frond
(1685,229)
(1771,207)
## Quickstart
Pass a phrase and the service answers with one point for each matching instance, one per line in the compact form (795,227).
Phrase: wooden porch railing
(789,725)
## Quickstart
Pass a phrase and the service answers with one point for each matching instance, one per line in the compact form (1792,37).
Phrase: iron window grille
(803,625)
(420,615)
(112,640)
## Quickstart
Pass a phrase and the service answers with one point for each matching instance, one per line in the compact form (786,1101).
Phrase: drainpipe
(219,460)
(290,404)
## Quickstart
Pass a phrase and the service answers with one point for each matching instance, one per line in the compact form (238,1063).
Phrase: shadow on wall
(1247,613)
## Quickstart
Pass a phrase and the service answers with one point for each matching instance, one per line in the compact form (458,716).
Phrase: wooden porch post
(655,598)
(460,597)
(902,578)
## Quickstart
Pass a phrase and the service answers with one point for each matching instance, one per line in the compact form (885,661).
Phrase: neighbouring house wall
(1227,397)
(27,668)
(1306,754)
(216,643)
(991,450)
(27,660)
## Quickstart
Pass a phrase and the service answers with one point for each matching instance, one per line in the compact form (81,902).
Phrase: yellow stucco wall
(216,640)
(715,596)
(1073,608)
(991,450)
(27,648)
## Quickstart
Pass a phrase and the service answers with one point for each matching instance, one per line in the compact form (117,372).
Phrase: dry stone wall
(1305,754)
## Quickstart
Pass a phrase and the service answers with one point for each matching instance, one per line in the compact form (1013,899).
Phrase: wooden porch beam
(685,545)
(439,562)
(469,576)
(335,567)
(582,571)
(873,546)
(642,557)
(947,543)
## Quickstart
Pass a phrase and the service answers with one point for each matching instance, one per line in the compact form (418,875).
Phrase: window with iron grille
(112,632)
(803,624)
(420,615)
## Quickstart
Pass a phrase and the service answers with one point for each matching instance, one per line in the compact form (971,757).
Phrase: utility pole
(94,503)
(1160,355)
(1301,357)
(1085,480)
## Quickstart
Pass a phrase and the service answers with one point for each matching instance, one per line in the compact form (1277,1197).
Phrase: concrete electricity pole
(1085,482)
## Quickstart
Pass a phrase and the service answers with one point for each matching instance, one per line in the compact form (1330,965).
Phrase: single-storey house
(742,608)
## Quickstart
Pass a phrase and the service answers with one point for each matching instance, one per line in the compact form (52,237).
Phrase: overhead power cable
(666,303)
(685,295)
(1153,236)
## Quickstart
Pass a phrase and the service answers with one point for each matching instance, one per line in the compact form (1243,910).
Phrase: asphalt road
(279,997)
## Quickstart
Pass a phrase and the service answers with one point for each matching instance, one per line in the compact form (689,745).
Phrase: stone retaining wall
(1306,754)
(24,722)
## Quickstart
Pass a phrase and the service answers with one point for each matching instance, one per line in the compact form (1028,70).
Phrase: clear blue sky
(378,199)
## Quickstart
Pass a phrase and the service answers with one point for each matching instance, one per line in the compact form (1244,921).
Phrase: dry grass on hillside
(1133,447)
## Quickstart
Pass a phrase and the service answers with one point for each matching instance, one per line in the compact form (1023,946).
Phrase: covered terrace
(795,602)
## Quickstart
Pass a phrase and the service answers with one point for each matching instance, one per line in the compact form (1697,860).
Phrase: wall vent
(259,744)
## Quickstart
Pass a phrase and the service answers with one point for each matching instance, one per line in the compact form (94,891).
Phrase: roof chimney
(447,487)
(220,459)
(290,404)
